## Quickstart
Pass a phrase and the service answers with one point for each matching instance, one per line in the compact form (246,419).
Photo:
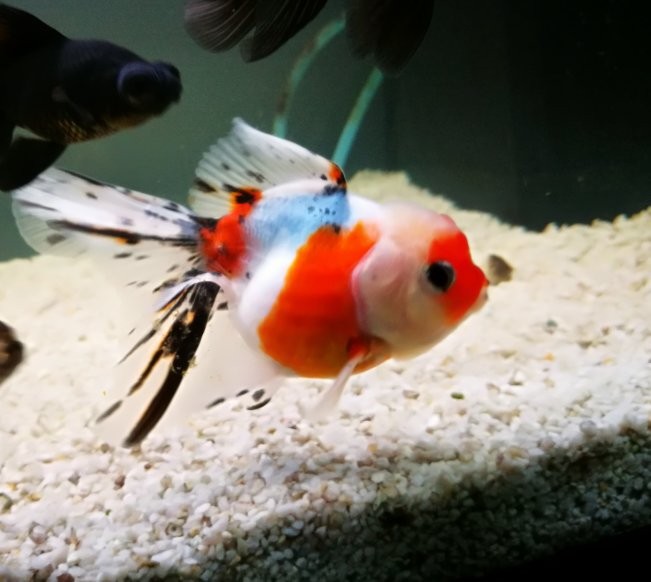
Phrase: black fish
(11,352)
(67,91)
(389,30)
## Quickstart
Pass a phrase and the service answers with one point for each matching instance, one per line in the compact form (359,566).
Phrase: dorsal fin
(249,160)
(21,33)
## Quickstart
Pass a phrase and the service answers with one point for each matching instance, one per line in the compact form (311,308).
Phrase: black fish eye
(140,83)
(440,275)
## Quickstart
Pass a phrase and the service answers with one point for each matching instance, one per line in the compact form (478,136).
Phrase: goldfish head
(418,282)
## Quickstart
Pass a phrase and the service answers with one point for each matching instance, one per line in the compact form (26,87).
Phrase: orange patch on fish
(224,245)
(313,326)
(470,280)
(336,175)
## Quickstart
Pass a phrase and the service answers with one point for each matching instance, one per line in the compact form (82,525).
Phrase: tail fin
(183,353)
(140,241)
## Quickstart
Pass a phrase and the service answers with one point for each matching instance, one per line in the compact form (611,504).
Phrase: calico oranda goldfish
(277,271)
(66,91)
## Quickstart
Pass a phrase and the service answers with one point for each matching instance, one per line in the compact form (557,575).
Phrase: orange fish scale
(313,322)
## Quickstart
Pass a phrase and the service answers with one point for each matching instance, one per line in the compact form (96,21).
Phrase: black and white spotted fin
(141,242)
(249,159)
(189,359)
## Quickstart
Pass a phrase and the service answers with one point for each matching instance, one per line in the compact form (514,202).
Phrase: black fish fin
(22,33)
(276,23)
(219,25)
(391,30)
(6,133)
(25,159)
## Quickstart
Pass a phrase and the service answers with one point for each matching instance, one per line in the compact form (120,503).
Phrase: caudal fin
(182,353)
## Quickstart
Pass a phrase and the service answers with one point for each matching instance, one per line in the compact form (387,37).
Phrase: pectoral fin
(330,398)
(25,159)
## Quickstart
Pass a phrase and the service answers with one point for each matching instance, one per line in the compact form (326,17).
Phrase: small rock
(517,378)
(498,270)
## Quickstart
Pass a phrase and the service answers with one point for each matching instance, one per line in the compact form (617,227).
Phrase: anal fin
(188,359)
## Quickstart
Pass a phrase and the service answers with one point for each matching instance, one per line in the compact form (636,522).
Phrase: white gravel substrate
(524,431)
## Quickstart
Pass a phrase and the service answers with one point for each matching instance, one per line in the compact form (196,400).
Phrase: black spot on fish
(323,177)
(204,222)
(172,268)
(55,238)
(310,209)
(258,394)
(91,195)
(203,186)
(330,189)
(259,405)
(156,215)
(256,176)
(171,206)
(109,411)
(165,285)
(225,166)
(222,306)
(242,393)
(335,227)
(216,402)
(121,236)
(244,198)
(122,255)
(142,257)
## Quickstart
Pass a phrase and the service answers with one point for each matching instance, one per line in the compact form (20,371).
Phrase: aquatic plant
(298,72)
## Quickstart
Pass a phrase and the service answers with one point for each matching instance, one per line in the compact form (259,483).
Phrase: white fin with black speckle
(191,358)
(249,159)
(142,243)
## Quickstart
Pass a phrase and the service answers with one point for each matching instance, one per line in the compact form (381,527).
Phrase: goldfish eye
(440,275)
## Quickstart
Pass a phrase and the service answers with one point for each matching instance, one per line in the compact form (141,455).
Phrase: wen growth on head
(277,271)
(66,91)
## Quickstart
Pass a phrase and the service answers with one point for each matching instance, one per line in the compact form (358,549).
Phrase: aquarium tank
(424,355)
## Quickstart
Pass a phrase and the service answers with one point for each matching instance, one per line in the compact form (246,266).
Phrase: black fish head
(149,87)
